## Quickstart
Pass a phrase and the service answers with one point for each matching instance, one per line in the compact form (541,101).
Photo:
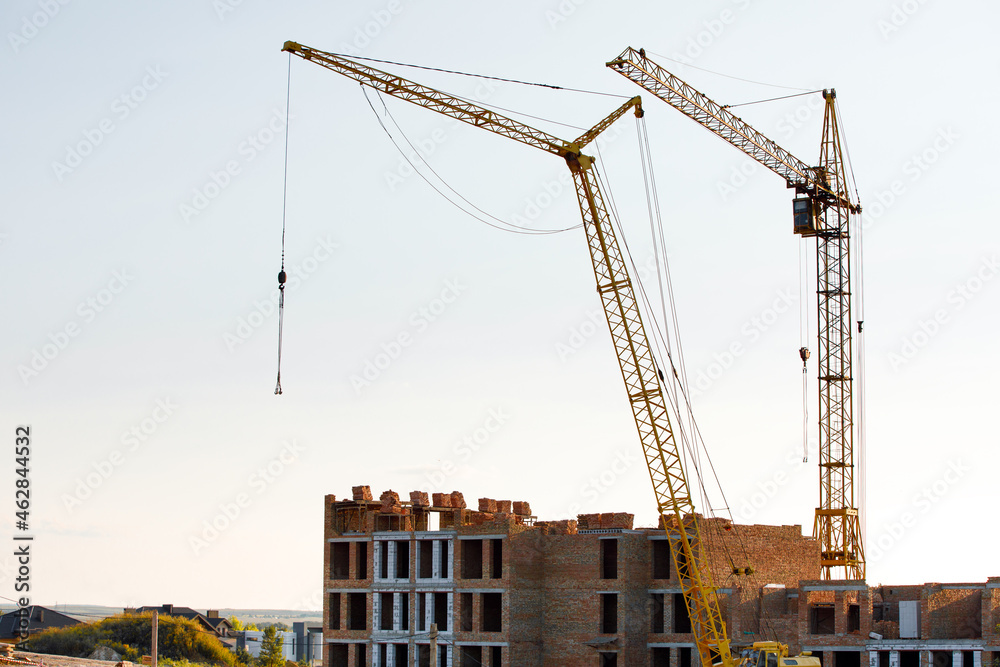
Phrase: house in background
(38,619)
(210,620)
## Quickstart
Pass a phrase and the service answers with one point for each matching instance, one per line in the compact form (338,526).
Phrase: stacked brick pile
(622,520)
(504,507)
(487,505)
(362,492)
(419,499)
(606,521)
(441,499)
(457,500)
(562,527)
(390,503)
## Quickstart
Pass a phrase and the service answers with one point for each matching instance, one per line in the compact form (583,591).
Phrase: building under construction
(503,588)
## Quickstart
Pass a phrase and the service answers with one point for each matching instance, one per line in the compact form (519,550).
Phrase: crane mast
(638,367)
(823,210)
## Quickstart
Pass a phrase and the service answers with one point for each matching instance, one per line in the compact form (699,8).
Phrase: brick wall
(952,613)
(551,585)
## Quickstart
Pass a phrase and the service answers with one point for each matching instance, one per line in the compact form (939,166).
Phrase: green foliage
(243,656)
(239,625)
(271,649)
(130,636)
(279,626)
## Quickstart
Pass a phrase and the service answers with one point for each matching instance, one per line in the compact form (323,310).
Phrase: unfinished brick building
(505,589)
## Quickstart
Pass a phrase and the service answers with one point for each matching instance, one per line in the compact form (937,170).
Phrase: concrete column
(893,658)
(397,612)
(977,659)
(391,545)
(926,659)
(956,659)
(428,609)
(674,656)
(436,556)
(872,658)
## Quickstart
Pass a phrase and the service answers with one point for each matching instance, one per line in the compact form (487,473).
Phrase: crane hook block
(804,354)
(281,279)
(743,571)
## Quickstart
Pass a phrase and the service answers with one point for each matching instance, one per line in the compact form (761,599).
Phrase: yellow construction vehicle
(775,654)
(638,367)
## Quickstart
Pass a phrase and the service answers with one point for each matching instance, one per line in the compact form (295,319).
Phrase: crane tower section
(822,210)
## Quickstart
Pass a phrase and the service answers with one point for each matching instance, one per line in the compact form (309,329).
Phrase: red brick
(487,505)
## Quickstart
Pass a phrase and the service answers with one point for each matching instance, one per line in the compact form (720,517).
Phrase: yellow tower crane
(639,370)
(823,210)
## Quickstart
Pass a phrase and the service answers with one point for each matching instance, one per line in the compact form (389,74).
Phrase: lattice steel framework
(635,358)
(836,524)
(642,382)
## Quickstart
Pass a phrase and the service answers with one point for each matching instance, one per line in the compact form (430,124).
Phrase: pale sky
(141,236)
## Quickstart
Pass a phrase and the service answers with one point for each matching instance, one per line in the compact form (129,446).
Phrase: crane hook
(281,318)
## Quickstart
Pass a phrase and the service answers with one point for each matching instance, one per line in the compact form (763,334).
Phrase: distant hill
(92,612)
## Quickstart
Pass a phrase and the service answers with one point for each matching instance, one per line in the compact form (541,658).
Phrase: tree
(271,653)
(239,626)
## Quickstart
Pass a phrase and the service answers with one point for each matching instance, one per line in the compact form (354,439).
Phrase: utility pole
(434,645)
(155,629)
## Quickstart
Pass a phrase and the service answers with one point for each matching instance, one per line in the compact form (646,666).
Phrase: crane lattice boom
(639,370)
(825,214)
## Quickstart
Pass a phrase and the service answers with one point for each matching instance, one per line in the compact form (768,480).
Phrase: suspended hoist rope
(663,338)
(770,99)
(514,229)
(483,76)
(693,449)
(860,308)
(675,323)
(678,381)
(728,76)
(804,350)
(284,208)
